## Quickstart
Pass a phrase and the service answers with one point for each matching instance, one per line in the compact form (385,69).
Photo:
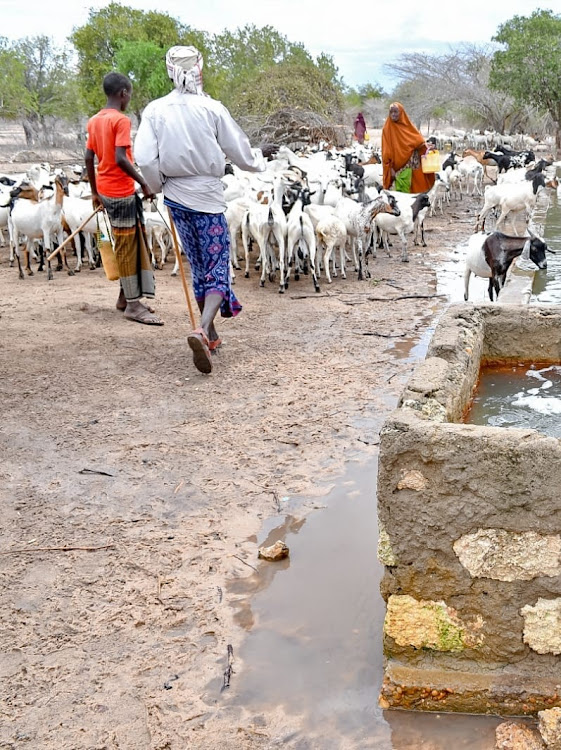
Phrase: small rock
(277,551)
(383,703)
(550,727)
(512,736)
(412,480)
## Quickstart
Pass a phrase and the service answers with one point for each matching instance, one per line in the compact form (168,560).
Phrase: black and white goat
(490,255)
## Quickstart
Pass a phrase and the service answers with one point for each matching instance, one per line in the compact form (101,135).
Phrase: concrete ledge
(507,694)
(447,493)
(518,286)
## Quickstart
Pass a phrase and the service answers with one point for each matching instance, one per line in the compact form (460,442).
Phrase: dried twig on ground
(55,549)
(229,671)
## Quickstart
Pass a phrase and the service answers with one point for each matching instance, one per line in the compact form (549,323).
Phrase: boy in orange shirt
(109,138)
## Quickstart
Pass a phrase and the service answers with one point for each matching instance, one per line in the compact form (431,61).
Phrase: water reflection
(547,284)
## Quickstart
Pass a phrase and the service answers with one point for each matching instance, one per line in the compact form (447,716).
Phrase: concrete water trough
(470,529)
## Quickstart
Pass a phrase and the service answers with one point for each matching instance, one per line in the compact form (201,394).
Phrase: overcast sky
(359,41)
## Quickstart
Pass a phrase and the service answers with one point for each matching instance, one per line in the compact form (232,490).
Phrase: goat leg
(28,262)
(21,274)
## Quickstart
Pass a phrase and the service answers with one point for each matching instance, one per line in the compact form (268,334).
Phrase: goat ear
(526,250)
(312,192)
(549,250)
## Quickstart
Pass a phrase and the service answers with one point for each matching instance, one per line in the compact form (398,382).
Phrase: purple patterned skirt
(206,242)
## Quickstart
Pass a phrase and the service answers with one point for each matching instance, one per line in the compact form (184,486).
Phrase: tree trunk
(47,139)
(29,134)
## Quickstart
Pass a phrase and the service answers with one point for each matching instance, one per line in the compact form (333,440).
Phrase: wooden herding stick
(71,236)
(177,251)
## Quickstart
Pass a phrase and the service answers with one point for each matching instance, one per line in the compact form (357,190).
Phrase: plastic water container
(430,162)
(105,247)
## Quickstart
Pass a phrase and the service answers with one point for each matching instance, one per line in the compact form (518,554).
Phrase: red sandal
(199,344)
(213,345)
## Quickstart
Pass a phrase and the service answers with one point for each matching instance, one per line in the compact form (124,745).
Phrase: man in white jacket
(181,147)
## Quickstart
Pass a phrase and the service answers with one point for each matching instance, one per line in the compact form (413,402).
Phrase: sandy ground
(112,584)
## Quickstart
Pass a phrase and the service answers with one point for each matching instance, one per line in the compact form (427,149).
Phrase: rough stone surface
(509,556)
(513,736)
(277,551)
(430,408)
(550,727)
(502,482)
(385,552)
(429,624)
(412,480)
(542,626)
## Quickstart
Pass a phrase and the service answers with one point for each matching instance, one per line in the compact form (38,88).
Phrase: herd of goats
(309,213)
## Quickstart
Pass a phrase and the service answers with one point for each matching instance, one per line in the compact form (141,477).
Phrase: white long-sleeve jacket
(181,146)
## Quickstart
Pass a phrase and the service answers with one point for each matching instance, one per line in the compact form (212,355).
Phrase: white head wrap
(185,66)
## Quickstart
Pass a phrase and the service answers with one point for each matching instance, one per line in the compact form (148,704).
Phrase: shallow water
(314,643)
(522,396)
(314,625)
(547,284)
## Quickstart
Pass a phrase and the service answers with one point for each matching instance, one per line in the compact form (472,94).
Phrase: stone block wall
(470,529)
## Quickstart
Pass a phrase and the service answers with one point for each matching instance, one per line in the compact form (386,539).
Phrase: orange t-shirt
(107,130)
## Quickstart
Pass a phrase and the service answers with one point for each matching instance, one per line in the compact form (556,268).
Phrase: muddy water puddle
(524,396)
(314,643)
(314,622)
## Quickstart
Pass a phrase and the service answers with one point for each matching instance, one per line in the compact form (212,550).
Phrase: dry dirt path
(90,636)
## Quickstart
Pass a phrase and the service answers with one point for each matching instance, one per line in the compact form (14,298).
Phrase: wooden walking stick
(71,236)
(177,251)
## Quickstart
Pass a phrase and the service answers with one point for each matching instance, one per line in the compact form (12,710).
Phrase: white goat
(301,240)
(402,223)
(438,193)
(359,221)
(75,211)
(267,225)
(332,233)
(39,221)
(468,168)
(510,198)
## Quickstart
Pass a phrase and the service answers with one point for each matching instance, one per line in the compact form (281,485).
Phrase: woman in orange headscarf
(402,146)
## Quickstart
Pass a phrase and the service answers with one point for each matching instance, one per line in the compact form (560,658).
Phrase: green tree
(239,58)
(371,91)
(366,92)
(14,97)
(144,63)
(100,45)
(288,86)
(529,66)
(43,86)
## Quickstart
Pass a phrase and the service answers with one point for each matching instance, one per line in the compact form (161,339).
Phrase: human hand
(146,191)
(96,202)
